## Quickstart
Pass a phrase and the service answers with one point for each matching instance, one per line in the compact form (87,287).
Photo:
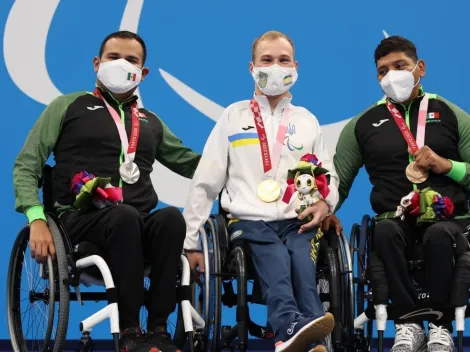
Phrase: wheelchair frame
(361,243)
(70,269)
(227,261)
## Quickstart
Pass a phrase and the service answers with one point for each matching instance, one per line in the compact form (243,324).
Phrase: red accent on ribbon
(322,184)
(114,193)
(135,130)
(100,194)
(263,139)
(290,190)
(414,209)
(405,131)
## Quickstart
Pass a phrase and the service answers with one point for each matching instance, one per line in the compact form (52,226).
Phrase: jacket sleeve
(321,151)
(207,182)
(175,156)
(347,160)
(460,171)
(30,161)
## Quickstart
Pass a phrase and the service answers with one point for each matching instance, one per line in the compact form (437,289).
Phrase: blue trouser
(285,263)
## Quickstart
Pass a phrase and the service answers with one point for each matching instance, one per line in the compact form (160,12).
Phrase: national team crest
(263,79)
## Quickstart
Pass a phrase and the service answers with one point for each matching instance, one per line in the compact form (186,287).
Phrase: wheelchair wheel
(207,293)
(35,291)
(328,286)
(359,249)
(347,288)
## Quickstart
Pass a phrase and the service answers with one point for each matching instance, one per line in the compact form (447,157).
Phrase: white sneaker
(409,338)
(440,339)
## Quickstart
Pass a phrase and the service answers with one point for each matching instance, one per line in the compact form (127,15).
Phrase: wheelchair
(361,244)
(227,261)
(48,288)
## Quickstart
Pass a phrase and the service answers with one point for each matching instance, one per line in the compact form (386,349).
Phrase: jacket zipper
(278,215)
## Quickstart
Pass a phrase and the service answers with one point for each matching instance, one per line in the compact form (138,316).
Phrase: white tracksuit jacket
(231,161)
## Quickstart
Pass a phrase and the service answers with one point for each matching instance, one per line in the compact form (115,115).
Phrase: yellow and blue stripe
(243,139)
(287,80)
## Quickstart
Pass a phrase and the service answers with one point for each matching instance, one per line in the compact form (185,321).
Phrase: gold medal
(416,174)
(269,191)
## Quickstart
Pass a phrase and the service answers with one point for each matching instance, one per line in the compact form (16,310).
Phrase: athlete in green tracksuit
(415,186)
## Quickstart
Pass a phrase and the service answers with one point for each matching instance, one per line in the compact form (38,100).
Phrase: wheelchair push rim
(34,286)
(207,297)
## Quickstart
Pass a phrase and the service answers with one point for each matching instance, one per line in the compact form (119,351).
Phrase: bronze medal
(416,174)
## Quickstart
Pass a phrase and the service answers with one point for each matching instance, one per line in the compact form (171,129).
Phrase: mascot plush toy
(310,182)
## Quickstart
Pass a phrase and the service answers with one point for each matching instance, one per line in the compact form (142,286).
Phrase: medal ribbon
(270,164)
(404,129)
(129,148)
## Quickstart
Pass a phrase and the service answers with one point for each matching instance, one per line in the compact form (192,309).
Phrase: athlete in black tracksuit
(80,131)
(372,139)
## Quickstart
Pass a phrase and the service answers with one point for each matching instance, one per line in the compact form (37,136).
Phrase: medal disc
(416,174)
(269,191)
(130,172)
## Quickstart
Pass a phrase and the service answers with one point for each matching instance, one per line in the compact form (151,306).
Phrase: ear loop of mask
(419,79)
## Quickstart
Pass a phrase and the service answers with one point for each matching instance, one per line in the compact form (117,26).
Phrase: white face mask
(399,84)
(274,80)
(119,76)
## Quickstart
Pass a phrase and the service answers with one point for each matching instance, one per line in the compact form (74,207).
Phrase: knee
(125,213)
(437,235)
(385,234)
(125,222)
(174,222)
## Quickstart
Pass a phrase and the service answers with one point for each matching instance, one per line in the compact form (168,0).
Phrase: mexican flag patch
(433,116)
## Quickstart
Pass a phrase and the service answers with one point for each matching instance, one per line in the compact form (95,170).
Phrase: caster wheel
(198,342)
(227,343)
(85,344)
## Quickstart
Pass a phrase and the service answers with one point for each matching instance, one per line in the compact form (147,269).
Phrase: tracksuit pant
(285,263)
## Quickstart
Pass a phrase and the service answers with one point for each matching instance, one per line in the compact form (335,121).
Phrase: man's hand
(332,221)
(40,241)
(319,210)
(429,160)
(195,259)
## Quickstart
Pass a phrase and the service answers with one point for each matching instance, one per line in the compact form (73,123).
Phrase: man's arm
(347,160)
(321,151)
(33,156)
(175,156)
(207,183)
(460,171)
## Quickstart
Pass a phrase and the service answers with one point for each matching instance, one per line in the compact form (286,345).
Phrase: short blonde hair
(271,35)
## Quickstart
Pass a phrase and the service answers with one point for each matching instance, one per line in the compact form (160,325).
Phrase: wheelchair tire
(334,292)
(347,288)
(208,300)
(359,249)
(56,271)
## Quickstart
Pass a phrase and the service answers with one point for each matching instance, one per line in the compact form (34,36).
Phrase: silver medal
(129,172)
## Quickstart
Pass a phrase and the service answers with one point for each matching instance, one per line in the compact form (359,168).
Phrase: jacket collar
(113,102)
(418,98)
(264,103)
